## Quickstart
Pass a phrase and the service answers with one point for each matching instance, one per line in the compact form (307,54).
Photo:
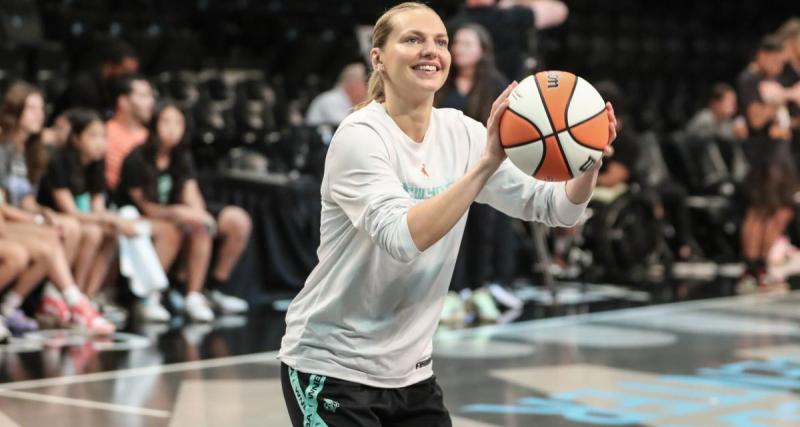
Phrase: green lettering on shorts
(308,400)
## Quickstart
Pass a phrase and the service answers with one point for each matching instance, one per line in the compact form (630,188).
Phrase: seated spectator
(159,179)
(716,121)
(46,259)
(23,162)
(14,259)
(331,107)
(133,107)
(720,134)
(75,185)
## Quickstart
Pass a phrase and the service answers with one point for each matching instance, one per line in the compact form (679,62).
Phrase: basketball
(555,127)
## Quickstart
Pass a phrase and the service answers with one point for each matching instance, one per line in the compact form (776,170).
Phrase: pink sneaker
(780,251)
(53,311)
(86,317)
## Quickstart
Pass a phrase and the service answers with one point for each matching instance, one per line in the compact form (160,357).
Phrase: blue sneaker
(19,324)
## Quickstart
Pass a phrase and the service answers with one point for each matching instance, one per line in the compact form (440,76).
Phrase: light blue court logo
(751,393)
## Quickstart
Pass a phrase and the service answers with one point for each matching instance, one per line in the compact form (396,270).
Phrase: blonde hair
(790,30)
(380,33)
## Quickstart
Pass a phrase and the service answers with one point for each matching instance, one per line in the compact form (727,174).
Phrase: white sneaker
(504,296)
(151,310)
(453,312)
(197,308)
(227,304)
(484,306)
(5,334)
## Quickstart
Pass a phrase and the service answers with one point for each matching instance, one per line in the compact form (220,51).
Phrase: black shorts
(317,400)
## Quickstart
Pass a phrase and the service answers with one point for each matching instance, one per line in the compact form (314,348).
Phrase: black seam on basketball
(582,145)
(553,127)
(518,114)
(569,101)
(520,144)
(586,120)
(564,156)
(546,111)
(577,141)
(541,159)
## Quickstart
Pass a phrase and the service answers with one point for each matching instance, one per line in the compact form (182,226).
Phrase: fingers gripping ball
(555,127)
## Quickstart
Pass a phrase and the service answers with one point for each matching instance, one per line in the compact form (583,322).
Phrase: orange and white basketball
(555,127)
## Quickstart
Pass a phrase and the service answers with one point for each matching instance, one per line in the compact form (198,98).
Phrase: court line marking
(482,331)
(148,370)
(611,315)
(88,404)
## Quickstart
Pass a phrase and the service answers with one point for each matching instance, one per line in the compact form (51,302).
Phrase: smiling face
(414,61)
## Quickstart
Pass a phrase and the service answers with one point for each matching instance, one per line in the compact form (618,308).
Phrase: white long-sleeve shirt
(369,309)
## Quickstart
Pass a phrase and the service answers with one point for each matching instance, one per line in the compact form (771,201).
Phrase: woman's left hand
(612,130)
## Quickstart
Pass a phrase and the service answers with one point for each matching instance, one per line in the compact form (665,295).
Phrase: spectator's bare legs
(46,254)
(91,239)
(760,230)
(43,243)
(234,229)
(168,239)
(102,261)
(198,255)
(774,226)
(14,259)
(752,232)
(70,230)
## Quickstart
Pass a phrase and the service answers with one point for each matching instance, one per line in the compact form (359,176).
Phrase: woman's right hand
(494,152)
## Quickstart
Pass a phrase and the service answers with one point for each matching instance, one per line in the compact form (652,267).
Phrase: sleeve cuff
(566,212)
(407,247)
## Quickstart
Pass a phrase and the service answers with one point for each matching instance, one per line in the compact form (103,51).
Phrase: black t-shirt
(748,94)
(452,98)
(760,146)
(508,28)
(64,171)
(167,185)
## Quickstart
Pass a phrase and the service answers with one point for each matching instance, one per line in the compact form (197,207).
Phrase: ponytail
(375,91)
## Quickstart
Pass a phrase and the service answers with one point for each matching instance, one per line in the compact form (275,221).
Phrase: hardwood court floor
(722,362)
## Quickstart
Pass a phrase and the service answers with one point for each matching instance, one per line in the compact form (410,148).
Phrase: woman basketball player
(399,178)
